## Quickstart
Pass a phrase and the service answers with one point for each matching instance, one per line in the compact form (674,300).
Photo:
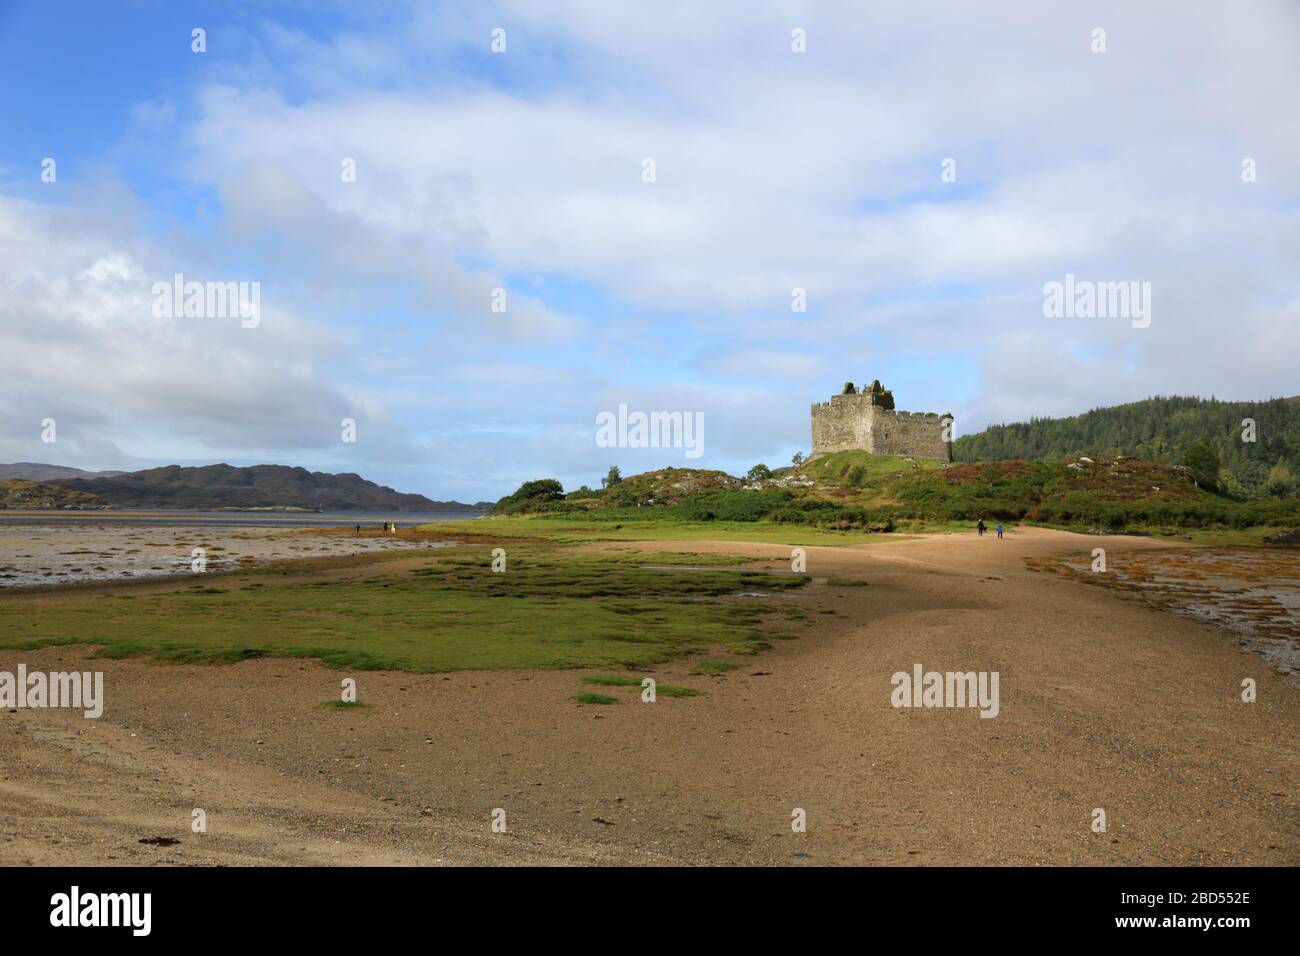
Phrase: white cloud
(775,170)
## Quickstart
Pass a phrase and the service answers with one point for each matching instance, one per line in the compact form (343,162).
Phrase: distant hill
(1161,430)
(32,471)
(261,486)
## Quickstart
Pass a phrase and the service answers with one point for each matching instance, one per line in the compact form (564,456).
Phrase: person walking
(979,526)
(999,530)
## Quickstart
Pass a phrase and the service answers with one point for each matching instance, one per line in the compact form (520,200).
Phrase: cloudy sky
(525,170)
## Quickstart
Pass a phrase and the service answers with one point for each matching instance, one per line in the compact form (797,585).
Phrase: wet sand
(1251,593)
(1105,704)
(65,554)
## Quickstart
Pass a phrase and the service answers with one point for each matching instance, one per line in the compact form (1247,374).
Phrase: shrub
(1281,482)
(733,504)
(530,495)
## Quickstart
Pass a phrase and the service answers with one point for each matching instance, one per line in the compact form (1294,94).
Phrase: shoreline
(200,518)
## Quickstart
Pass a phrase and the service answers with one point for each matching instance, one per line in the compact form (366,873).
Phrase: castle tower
(867,420)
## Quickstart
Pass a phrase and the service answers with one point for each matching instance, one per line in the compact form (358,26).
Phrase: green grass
(611,680)
(698,559)
(1220,537)
(566,530)
(664,690)
(595,699)
(714,667)
(549,610)
(856,468)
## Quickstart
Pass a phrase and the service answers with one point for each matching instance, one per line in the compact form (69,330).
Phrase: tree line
(1255,445)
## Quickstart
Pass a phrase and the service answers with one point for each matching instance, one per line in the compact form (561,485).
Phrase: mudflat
(68,552)
(1104,704)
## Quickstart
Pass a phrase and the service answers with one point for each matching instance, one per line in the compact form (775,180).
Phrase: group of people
(390,527)
(981,528)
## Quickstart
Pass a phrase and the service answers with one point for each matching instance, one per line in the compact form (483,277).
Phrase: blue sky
(522,170)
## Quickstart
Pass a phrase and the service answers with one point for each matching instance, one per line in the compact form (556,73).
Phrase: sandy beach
(1105,704)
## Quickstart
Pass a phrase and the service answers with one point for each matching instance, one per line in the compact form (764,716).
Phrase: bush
(1281,482)
(530,496)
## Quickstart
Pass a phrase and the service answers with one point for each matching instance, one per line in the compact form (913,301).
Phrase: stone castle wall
(853,422)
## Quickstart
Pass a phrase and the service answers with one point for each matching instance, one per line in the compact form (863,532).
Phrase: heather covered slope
(853,490)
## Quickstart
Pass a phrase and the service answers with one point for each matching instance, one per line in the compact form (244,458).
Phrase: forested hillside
(1164,430)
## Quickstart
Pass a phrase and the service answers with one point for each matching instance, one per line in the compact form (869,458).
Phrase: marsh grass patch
(714,667)
(661,690)
(551,609)
(589,698)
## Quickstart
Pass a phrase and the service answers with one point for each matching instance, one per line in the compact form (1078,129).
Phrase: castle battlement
(867,420)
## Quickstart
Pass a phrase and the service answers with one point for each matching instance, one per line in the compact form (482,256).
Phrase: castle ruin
(867,421)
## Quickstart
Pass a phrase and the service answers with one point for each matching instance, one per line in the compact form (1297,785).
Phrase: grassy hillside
(1162,430)
(855,491)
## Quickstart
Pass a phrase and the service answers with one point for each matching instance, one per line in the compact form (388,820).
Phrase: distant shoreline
(209,518)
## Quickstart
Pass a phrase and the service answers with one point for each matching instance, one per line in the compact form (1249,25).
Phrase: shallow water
(72,553)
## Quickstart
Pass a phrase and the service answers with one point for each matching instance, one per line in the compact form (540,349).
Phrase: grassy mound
(858,469)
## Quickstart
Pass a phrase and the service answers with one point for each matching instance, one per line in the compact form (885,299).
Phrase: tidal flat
(522,689)
(66,553)
(1251,593)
